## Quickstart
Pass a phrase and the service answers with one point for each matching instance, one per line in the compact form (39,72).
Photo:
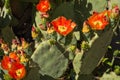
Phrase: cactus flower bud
(5,48)
(24,43)
(44,15)
(115,12)
(85,28)
(34,33)
(42,27)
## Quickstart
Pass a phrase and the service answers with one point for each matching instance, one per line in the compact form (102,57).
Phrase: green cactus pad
(50,59)
(84,8)
(5,15)
(39,20)
(110,76)
(115,2)
(65,9)
(77,62)
(98,49)
(97,6)
(7,34)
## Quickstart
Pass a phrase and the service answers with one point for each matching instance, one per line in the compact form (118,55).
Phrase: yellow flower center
(98,23)
(9,65)
(18,72)
(62,28)
(44,6)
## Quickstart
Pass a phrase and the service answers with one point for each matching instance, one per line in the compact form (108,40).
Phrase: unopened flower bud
(115,12)
(34,33)
(85,28)
(42,27)
(44,15)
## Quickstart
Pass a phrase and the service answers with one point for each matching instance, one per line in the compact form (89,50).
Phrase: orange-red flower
(6,63)
(106,13)
(14,56)
(98,21)
(17,71)
(63,26)
(12,63)
(43,6)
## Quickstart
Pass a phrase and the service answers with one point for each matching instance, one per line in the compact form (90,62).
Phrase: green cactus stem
(51,59)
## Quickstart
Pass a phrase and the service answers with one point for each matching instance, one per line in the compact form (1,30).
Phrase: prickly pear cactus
(5,15)
(61,10)
(70,38)
(51,59)
(112,75)
(85,62)
(96,52)
(98,44)
(115,2)
(84,8)
(7,34)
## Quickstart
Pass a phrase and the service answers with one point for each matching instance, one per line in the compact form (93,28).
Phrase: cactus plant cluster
(70,39)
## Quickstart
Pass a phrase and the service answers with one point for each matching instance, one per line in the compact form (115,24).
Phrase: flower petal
(17,71)
(63,26)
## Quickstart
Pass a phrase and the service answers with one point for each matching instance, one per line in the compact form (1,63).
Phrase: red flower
(12,63)
(6,63)
(63,26)
(106,13)
(43,6)
(98,21)
(17,71)
(14,56)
